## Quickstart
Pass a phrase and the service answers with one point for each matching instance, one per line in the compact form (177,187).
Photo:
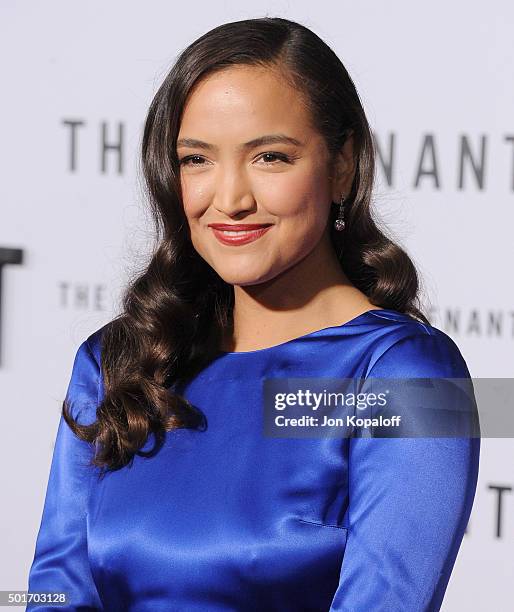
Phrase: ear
(343,170)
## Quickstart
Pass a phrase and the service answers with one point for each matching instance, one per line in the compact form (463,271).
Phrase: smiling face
(249,155)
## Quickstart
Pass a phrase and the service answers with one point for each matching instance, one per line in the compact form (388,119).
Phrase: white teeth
(237,233)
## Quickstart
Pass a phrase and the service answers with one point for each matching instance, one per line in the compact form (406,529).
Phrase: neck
(296,302)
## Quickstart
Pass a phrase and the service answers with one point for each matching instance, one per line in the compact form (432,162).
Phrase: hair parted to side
(174,313)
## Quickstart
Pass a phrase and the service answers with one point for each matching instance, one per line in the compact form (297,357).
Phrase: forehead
(244,100)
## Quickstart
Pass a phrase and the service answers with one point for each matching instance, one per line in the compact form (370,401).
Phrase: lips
(238,226)
(239,233)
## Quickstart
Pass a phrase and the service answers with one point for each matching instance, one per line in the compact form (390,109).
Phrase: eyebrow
(251,144)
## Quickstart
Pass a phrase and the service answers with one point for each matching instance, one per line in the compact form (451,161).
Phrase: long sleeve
(409,498)
(60,561)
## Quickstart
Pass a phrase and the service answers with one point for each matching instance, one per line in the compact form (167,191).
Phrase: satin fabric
(227,519)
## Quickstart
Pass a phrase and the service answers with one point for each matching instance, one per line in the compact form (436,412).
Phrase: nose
(232,197)
(234,206)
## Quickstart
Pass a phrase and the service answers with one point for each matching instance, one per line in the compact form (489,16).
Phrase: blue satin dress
(227,519)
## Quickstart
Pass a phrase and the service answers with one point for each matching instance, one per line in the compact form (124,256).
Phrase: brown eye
(185,160)
(279,156)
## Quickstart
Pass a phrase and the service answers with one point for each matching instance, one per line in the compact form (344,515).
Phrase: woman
(163,492)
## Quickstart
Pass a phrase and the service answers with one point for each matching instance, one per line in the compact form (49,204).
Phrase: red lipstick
(229,233)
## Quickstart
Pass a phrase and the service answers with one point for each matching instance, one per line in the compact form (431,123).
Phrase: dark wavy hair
(175,312)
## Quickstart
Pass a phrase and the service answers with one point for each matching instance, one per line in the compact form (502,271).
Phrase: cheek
(195,194)
(194,204)
(303,205)
(196,235)
(193,210)
(304,230)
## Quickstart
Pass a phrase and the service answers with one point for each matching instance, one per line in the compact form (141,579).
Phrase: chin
(244,279)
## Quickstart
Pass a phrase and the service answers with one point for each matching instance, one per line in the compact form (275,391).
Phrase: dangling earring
(339,222)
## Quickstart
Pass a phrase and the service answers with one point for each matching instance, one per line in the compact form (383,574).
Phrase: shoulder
(93,343)
(88,354)
(85,387)
(410,348)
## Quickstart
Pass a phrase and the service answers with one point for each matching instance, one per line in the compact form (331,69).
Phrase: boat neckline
(353,321)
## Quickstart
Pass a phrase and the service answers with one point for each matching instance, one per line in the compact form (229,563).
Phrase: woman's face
(284,183)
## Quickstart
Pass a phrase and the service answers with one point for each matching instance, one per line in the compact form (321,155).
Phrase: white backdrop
(436,80)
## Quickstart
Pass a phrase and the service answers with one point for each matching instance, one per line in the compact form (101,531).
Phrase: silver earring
(339,222)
